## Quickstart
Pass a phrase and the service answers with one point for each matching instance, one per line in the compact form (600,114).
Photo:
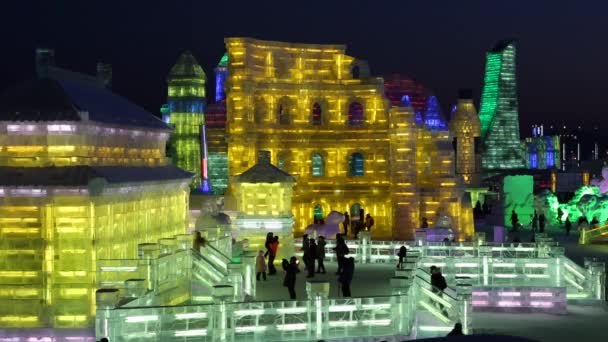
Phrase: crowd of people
(313,254)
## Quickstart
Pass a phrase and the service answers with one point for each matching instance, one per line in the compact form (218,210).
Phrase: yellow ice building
(327,122)
(83,177)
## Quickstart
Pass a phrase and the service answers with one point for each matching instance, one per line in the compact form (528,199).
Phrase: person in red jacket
(274,248)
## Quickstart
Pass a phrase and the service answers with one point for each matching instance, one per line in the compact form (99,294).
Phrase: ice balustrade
(539,264)
(317,318)
(448,307)
(589,235)
(170,272)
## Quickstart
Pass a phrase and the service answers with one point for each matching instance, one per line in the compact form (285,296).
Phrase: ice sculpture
(602,183)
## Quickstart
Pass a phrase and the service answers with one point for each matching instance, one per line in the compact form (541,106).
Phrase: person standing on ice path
(369,222)
(568,226)
(346,223)
(274,248)
(260,266)
(291,270)
(541,223)
(312,256)
(346,277)
(401,254)
(321,254)
(305,249)
(341,251)
(269,238)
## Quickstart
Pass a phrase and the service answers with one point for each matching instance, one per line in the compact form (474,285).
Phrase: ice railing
(170,272)
(539,264)
(449,306)
(314,319)
(588,235)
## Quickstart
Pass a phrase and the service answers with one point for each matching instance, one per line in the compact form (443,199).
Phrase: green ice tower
(499,114)
(186,100)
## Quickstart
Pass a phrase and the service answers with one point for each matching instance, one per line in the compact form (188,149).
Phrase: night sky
(562,65)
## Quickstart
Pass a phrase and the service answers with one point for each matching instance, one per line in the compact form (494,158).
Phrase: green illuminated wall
(518,196)
(499,111)
(186,101)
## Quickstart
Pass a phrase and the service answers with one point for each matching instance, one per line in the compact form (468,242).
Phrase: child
(401,254)
(260,266)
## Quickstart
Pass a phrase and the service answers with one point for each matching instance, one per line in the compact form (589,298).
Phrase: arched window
(318,212)
(316,117)
(259,110)
(356,165)
(284,110)
(356,71)
(355,114)
(318,165)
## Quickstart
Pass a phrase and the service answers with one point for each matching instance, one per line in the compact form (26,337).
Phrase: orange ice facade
(326,121)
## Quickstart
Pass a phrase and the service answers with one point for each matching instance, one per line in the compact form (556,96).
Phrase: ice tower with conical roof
(498,114)
(433,119)
(465,128)
(186,100)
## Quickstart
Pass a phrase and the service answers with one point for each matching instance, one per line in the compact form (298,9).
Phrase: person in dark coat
(346,223)
(291,269)
(321,254)
(341,251)
(457,331)
(305,249)
(269,238)
(439,285)
(312,256)
(425,223)
(401,254)
(534,221)
(568,226)
(594,222)
(346,277)
(514,219)
(541,222)
(198,241)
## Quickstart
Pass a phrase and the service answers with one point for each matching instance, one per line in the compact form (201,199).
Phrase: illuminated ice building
(465,127)
(499,117)
(215,119)
(327,122)
(186,103)
(83,177)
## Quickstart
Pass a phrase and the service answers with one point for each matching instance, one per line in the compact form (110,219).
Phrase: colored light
(499,111)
